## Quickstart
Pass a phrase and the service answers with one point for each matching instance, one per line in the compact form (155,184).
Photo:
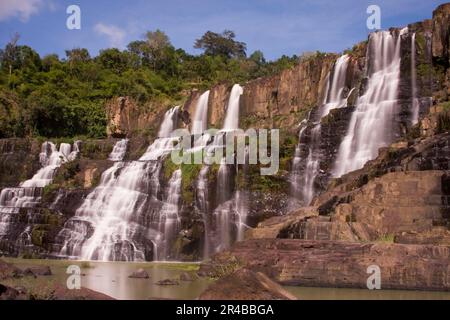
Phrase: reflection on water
(111,278)
(308,293)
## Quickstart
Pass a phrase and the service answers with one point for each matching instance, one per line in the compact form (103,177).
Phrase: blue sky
(275,27)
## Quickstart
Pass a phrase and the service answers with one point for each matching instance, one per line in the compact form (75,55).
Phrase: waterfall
(296,177)
(200,123)
(223,211)
(303,184)
(335,94)
(241,202)
(120,218)
(312,166)
(28,194)
(414,98)
(203,207)
(371,125)
(232,117)
(119,150)
(51,159)
(169,122)
(222,215)
(169,223)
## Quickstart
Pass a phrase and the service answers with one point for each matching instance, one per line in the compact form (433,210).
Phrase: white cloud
(19,8)
(115,34)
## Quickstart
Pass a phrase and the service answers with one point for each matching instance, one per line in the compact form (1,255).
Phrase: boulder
(8,293)
(167,282)
(8,270)
(38,271)
(245,284)
(139,274)
(186,277)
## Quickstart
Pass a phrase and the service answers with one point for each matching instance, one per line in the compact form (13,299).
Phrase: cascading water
(371,124)
(232,116)
(200,123)
(119,150)
(223,211)
(334,98)
(51,160)
(28,194)
(203,207)
(222,214)
(241,202)
(170,223)
(296,178)
(414,98)
(120,218)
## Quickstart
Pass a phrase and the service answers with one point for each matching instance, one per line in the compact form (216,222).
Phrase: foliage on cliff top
(64,97)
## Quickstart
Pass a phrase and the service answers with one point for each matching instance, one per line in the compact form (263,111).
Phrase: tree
(77,55)
(221,44)
(10,54)
(50,61)
(157,48)
(258,57)
(113,59)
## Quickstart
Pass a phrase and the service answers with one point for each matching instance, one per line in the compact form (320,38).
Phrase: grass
(386,238)
(86,265)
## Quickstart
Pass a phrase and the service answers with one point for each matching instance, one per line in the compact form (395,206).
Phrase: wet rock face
(342,264)
(19,160)
(333,130)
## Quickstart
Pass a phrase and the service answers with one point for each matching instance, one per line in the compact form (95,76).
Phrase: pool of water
(112,278)
(308,293)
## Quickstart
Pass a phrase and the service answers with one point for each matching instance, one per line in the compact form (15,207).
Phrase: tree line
(64,97)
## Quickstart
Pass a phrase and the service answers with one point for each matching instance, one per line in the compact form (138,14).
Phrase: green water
(111,278)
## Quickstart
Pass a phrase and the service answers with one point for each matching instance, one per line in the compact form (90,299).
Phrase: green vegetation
(443,122)
(49,192)
(388,238)
(169,168)
(231,265)
(64,97)
(189,174)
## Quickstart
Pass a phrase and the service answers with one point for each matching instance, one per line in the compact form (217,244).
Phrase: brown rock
(7,270)
(167,282)
(272,227)
(186,277)
(62,293)
(441,31)
(125,117)
(139,274)
(342,264)
(8,293)
(38,271)
(245,284)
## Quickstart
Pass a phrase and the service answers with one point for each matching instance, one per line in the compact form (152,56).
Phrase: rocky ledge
(339,263)
(244,284)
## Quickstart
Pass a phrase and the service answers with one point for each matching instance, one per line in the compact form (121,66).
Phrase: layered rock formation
(341,264)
